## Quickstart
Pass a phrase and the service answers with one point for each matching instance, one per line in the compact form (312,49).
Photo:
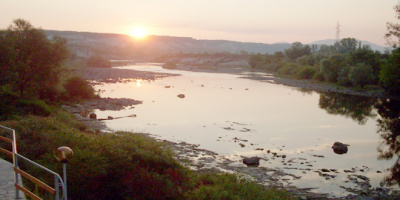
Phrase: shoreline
(259,75)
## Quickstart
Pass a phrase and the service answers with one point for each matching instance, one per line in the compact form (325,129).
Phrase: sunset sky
(264,21)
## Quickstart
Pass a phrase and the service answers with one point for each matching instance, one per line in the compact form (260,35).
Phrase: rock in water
(93,116)
(253,161)
(340,148)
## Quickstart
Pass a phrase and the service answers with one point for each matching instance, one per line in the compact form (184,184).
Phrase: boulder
(253,161)
(181,95)
(93,116)
(340,148)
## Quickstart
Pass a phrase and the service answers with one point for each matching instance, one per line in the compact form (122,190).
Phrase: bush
(11,106)
(318,76)
(343,78)
(232,186)
(169,65)
(361,75)
(288,69)
(98,61)
(78,88)
(306,73)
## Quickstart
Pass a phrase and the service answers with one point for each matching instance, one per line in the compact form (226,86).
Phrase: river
(237,117)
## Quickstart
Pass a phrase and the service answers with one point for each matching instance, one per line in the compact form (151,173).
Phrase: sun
(138,32)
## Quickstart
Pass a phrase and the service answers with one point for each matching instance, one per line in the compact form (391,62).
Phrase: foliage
(318,76)
(254,60)
(367,56)
(288,69)
(393,34)
(297,50)
(306,73)
(346,45)
(361,75)
(11,106)
(111,166)
(232,186)
(32,62)
(390,73)
(331,66)
(343,78)
(98,61)
(78,88)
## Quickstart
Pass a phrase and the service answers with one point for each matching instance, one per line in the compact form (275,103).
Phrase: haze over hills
(120,46)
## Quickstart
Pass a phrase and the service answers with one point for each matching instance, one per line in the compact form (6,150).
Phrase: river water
(237,117)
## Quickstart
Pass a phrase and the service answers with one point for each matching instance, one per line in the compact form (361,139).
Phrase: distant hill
(117,46)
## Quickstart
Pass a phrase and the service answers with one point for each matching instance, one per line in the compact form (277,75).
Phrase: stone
(110,117)
(93,116)
(340,148)
(181,96)
(252,161)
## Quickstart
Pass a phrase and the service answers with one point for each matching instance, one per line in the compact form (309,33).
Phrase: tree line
(346,63)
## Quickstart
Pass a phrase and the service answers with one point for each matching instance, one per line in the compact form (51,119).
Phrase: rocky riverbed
(203,160)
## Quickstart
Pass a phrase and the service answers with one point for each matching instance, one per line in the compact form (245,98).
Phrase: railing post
(15,160)
(56,186)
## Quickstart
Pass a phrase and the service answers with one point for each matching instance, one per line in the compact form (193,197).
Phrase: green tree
(297,50)
(390,73)
(367,56)
(34,61)
(346,45)
(331,66)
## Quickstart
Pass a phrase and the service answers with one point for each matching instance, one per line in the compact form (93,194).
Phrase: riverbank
(260,75)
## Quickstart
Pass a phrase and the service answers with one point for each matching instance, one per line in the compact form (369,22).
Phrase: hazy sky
(265,21)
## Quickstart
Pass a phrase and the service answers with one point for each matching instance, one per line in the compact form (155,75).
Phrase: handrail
(57,178)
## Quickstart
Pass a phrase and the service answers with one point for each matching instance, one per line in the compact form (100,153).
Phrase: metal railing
(58,181)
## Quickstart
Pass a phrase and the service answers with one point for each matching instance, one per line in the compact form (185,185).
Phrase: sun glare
(138,32)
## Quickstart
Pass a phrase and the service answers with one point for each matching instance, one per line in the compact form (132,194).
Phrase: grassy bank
(120,165)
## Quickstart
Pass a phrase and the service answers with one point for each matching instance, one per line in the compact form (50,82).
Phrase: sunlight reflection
(139,82)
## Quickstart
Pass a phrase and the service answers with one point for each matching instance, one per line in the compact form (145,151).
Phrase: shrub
(343,78)
(306,73)
(98,61)
(169,65)
(232,186)
(11,106)
(78,88)
(288,69)
(361,75)
(318,76)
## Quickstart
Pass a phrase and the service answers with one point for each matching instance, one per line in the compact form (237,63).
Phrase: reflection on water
(358,108)
(389,130)
(238,117)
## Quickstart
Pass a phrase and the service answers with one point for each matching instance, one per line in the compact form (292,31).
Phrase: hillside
(118,46)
